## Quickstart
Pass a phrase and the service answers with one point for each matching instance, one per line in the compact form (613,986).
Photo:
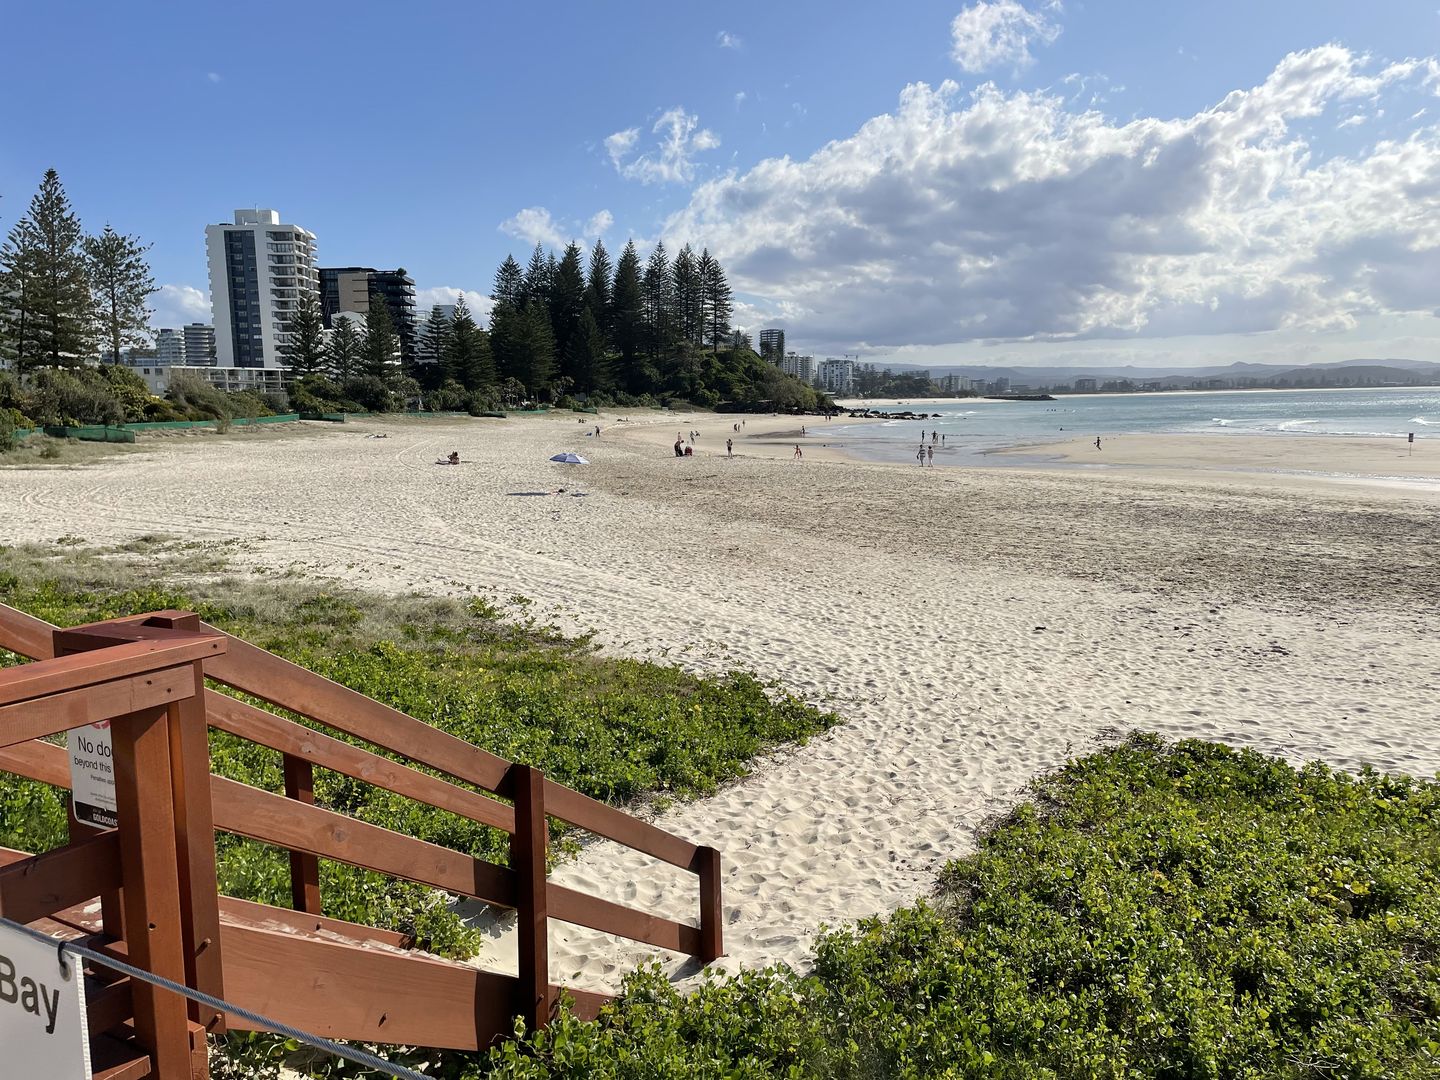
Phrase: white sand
(974,628)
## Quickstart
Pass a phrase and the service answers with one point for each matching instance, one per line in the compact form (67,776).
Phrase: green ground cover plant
(1153,910)
(620,730)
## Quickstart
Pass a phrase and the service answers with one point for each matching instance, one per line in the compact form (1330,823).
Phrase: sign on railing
(92,774)
(42,1010)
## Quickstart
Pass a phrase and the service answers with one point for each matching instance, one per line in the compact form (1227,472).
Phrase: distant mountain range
(1373,370)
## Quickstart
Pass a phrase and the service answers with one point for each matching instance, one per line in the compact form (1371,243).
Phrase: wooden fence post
(712,941)
(527,858)
(145,807)
(304,867)
(195,837)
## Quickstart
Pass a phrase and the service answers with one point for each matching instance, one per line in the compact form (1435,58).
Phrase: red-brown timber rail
(147,675)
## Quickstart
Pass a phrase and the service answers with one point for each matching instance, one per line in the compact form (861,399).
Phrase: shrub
(197,398)
(370,393)
(8,441)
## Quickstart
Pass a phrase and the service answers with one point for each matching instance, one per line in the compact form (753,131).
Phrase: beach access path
(974,627)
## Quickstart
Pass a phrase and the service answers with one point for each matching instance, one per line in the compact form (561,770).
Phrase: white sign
(42,1010)
(92,774)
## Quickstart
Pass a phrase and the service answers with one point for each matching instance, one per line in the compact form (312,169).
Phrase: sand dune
(974,627)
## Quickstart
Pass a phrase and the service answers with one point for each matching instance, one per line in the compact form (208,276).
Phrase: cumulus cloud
(536,225)
(1019,217)
(479,303)
(996,33)
(176,305)
(678,139)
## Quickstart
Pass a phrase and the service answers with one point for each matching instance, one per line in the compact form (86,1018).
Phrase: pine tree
(434,337)
(380,348)
(121,285)
(537,349)
(509,283)
(719,303)
(468,360)
(535,284)
(659,302)
(62,308)
(685,283)
(507,340)
(597,286)
(567,299)
(627,317)
(586,357)
(17,288)
(343,356)
(304,349)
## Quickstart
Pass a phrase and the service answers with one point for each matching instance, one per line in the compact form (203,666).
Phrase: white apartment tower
(260,272)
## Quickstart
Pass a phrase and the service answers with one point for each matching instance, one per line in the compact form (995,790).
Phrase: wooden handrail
(68,673)
(310,832)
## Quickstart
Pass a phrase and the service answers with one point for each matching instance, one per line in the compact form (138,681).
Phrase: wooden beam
(59,879)
(36,717)
(345,991)
(527,856)
(274,819)
(304,868)
(570,906)
(45,677)
(265,917)
(292,687)
(25,634)
(40,761)
(151,883)
(603,820)
(267,729)
(712,933)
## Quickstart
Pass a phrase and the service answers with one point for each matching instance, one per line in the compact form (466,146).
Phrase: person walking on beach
(931,452)
(729,447)
(798,454)
(679,447)
(1097,442)
(920,456)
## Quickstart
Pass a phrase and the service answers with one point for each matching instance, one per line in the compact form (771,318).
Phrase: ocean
(975,427)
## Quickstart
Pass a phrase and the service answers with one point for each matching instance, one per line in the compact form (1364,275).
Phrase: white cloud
(1019,217)
(727,40)
(1352,121)
(176,305)
(740,96)
(679,138)
(598,225)
(536,225)
(479,303)
(213,76)
(991,33)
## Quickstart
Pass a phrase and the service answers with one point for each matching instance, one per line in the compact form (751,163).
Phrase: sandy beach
(973,626)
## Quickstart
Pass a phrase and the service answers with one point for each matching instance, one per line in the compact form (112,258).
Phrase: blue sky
(1007,180)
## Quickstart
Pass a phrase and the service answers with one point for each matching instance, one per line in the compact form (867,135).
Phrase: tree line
(560,326)
(65,295)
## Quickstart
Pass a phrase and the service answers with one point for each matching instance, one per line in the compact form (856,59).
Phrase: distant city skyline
(1002,182)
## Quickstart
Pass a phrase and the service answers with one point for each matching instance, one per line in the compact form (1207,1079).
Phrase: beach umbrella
(570,459)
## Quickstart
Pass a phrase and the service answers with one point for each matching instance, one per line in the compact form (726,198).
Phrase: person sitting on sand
(689,451)
(454,457)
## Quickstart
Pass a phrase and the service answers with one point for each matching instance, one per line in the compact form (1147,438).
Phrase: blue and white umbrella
(570,459)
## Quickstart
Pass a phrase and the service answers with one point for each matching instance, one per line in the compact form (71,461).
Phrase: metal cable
(359,1057)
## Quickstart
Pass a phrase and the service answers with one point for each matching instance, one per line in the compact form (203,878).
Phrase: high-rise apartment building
(349,288)
(802,367)
(260,273)
(169,347)
(836,376)
(772,346)
(199,344)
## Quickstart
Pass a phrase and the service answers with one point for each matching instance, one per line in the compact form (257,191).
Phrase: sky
(994,182)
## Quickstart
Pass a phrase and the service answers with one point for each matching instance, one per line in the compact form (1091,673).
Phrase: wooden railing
(225,952)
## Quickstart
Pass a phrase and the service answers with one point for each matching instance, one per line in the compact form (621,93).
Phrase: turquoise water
(974,427)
